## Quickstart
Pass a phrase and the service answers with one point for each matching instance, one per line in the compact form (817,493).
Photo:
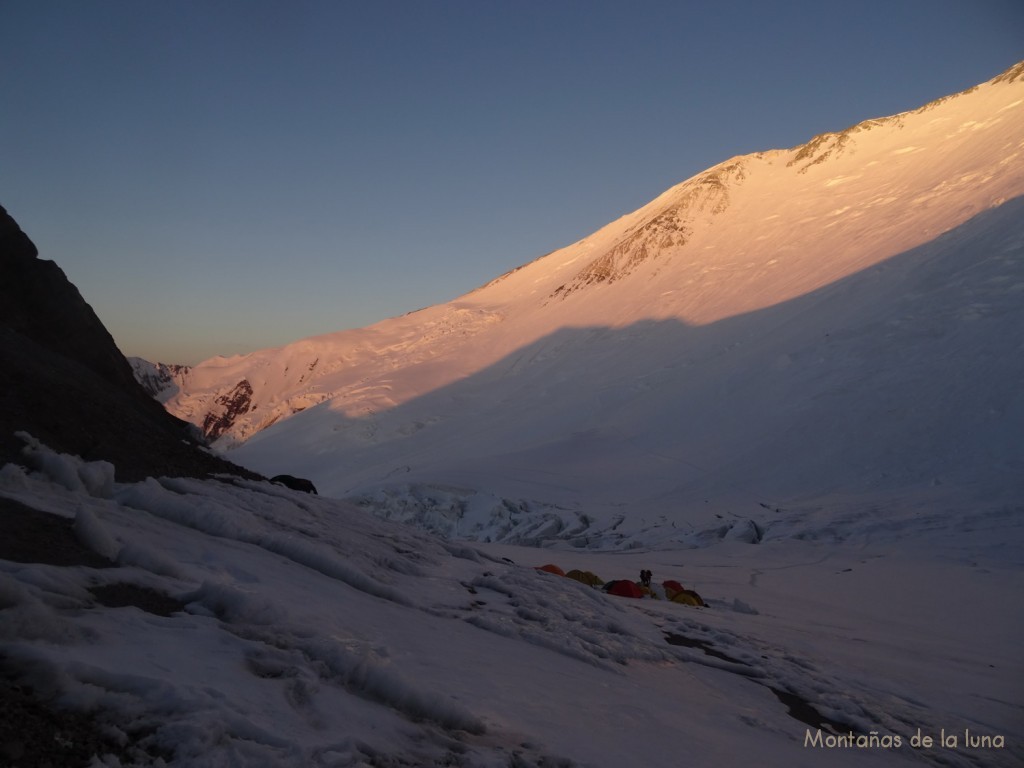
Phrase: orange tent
(551,568)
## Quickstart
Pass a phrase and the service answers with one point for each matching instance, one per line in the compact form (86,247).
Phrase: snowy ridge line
(747,234)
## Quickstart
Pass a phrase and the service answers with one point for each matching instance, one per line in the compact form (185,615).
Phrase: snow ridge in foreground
(312,633)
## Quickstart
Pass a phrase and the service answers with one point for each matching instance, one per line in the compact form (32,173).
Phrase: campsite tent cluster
(669,590)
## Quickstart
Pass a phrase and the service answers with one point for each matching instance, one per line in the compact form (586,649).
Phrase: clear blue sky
(218,176)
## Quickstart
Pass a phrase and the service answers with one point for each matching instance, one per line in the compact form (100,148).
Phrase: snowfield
(304,631)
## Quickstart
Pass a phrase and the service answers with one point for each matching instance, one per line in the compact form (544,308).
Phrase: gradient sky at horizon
(227,175)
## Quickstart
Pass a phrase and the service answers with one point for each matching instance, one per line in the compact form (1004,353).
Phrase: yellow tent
(677,593)
(687,597)
(586,577)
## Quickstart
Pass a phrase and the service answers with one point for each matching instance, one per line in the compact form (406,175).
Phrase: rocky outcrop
(295,483)
(227,408)
(664,231)
(64,381)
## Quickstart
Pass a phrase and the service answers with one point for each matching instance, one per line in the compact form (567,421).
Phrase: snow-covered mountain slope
(160,380)
(237,623)
(841,319)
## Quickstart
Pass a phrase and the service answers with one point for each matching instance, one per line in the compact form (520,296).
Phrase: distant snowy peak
(231,399)
(160,380)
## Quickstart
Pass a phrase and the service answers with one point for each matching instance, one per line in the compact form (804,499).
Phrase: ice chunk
(91,533)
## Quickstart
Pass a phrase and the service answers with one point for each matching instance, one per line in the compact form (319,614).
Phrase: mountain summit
(837,320)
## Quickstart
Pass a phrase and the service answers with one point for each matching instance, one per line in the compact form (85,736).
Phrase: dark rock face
(228,407)
(39,303)
(64,381)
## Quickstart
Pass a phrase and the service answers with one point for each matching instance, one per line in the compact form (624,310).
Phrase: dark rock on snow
(295,483)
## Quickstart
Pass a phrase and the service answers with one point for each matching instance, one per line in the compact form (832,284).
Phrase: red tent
(624,588)
(671,586)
